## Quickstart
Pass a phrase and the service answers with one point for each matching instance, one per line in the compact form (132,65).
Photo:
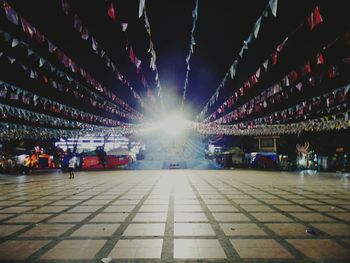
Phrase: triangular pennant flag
(111,12)
(65,6)
(257,27)
(12,60)
(137,62)
(315,18)
(15,42)
(319,58)
(77,23)
(52,47)
(132,55)
(273,6)
(233,69)
(299,86)
(124,26)
(41,62)
(141,7)
(85,33)
(28,28)
(11,14)
(257,73)
(94,44)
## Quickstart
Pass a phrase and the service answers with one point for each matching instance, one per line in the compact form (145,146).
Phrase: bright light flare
(173,125)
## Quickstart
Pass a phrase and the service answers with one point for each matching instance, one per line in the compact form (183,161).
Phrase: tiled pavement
(141,216)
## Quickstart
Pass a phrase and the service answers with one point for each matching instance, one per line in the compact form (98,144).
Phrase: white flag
(141,7)
(273,6)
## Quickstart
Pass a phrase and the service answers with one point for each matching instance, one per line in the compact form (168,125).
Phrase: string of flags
(192,44)
(314,19)
(151,50)
(28,99)
(97,48)
(68,63)
(327,123)
(62,83)
(271,7)
(134,59)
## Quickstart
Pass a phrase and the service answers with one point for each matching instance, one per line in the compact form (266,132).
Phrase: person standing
(71,166)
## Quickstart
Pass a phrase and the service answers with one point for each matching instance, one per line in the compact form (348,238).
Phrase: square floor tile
(20,249)
(198,249)
(186,202)
(190,217)
(217,202)
(154,208)
(156,202)
(271,217)
(291,208)
(188,208)
(137,248)
(47,230)
(334,229)
(6,230)
(69,218)
(320,249)
(312,217)
(118,208)
(74,249)
(4,216)
(126,202)
(230,217)
(50,209)
(222,208)
(152,229)
(95,230)
(242,229)
(193,229)
(84,209)
(260,248)
(288,229)
(341,216)
(110,217)
(257,208)
(247,202)
(66,202)
(150,217)
(16,209)
(28,218)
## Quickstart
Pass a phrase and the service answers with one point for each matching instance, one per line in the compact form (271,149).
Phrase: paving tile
(154,208)
(119,208)
(4,216)
(150,217)
(109,217)
(242,229)
(188,208)
(190,217)
(47,230)
(334,229)
(20,249)
(84,209)
(28,218)
(152,229)
(222,208)
(95,230)
(126,202)
(260,248)
(312,217)
(74,249)
(69,218)
(16,209)
(137,248)
(247,202)
(257,208)
(271,217)
(193,229)
(6,230)
(291,208)
(288,229)
(198,249)
(230,217)
(326,208)
(50,209)
(341,216)
(320,249)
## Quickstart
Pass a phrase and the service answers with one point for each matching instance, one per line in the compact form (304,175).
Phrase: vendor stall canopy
(71,67)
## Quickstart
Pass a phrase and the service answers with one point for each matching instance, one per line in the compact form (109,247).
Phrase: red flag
(319,58)
(111,12)
(28,28)
(306,68)
(132,55)
(315,18)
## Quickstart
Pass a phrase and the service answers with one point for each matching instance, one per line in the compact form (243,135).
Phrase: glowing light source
(173,125)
